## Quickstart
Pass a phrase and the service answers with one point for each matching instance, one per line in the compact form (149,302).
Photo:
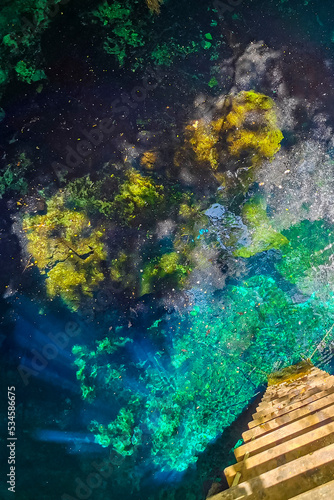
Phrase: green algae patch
(91,366)
(264,237)
(290,373)
(126,198)
(122,433)
(66,249)
(122,272)
(165,270)
(251,126)
(245,129)
(137,194)
(202,139)
(28,73)
(125,35)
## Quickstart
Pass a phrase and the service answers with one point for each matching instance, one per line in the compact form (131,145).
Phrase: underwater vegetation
(123,197)
(203,138)
(13,176)
(65,248)
(251,127)
(163,270)
(124,30)
(247,127)
(154,5)
(218,353)
(113,371)
(28,73)
(129,32)
(22,24)
(68,243)
(149,159)
(137,194)
(220,349)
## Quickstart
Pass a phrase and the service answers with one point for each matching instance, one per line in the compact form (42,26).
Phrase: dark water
(151,283)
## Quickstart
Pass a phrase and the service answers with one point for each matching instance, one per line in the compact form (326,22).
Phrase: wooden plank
(285,433)
(258,419)
(286,481)
(283,453)
(323,492)
(288,417)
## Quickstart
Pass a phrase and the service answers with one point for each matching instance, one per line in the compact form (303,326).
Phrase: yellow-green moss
(247,126)
(290,373)
(168,263)
(136,194)
(166,268)
(121,271)
(251,126)
(203,137)
(65,248)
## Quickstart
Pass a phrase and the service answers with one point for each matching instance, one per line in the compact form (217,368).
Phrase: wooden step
(284,387)
(297,414)
(302,380)
(323,492)
(282,395)
(282,453)
(293,396)
(312,392)
(289,431)
(259,419)
(274,402)
(286,481)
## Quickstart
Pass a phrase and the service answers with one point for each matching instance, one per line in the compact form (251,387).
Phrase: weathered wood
(289,447)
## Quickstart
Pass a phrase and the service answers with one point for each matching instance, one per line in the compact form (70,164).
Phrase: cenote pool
(166,234)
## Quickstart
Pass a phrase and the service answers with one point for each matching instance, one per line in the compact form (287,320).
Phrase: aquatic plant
(91,365)
(122,271)
(65,248)
(263,236)
(138,196)
(122,433)
(22,24)
(219,351)
(251,126)
(28,72)
(118,18)
(164,53)
(203,137)
(213,82)
(93,196)
(247,125)
(149,159)
(167,270)
(154,5)
(13,176)
(124,197)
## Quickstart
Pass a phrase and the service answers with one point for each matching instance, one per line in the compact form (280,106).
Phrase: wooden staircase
(288,451)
